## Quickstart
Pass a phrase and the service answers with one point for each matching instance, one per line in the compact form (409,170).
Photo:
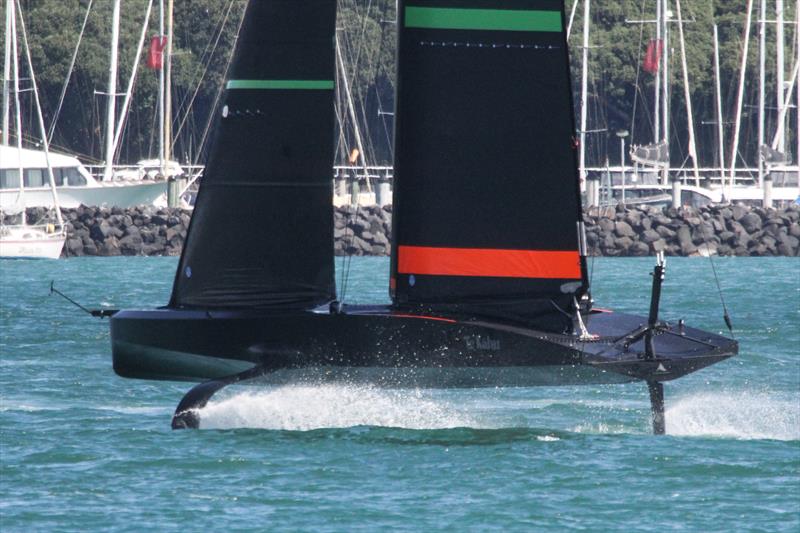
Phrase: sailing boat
(489,278)
(42,241)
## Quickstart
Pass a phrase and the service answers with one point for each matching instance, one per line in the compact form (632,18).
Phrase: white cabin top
(34,159)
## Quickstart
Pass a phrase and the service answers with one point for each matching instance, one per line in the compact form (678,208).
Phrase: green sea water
(82,449)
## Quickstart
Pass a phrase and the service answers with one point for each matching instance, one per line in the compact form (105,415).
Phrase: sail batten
(486,197)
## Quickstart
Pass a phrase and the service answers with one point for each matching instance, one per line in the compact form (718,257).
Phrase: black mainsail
(268,178)
(486,197)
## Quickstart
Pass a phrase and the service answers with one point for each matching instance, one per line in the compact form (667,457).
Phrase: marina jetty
(620,231)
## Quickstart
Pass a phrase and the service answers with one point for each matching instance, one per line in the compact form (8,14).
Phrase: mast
(7,70)
(584,91)
(42,127)
(173,192)
(351,109)
(718,95)
(129,90)
(161,164)
(780,68)
(112,92)
(665,15)
(168,89)
(762,46)
(17,107)
(657,84)
(687,95)
(740,93)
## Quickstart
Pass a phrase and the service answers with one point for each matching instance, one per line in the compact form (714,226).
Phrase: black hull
(387,347)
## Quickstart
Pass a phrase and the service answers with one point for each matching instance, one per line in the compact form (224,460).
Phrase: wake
(743,415)
(306,407)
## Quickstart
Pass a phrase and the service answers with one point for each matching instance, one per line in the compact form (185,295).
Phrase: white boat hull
(23,242)
(104,195)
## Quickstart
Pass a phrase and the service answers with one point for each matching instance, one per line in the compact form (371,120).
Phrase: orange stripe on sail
(479,262)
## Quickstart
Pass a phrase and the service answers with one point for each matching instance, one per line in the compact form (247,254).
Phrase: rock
(381,239)
(685,241)
(659,246)
(727,236)
(110,247)
(606,225)
(74,246)
(130,245)
(153,249)
(132,230)
(623,229)
(89,248)
(751,222)
(638,249)
(739,211)
(650,236)
(665,232)
(704,232)
(623,243)
(99,231)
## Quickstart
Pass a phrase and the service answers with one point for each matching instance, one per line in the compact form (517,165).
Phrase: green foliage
(621,93)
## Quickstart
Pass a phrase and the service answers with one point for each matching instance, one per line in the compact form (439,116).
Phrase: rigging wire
(218,97)
(725,315)
(69,73)
(186,108)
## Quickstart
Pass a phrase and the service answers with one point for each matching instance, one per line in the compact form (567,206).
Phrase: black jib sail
(486,199)
(262,229)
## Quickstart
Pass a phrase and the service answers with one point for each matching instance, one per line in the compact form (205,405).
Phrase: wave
(738,415)
(299,407)
(742,415)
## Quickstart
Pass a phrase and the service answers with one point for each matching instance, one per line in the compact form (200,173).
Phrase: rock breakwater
(614,231)
(712,230)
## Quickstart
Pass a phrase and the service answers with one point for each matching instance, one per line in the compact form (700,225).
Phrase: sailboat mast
(740,92)
(687,93)
(7,71)
(780,68)
(111,109)
(665,93)
(351,109)
(665,15)
(762,45)
(161,163)
(168,89)
(584,90)
(718,96)
(134,68)
(42,127)
(17,107)
(657,84)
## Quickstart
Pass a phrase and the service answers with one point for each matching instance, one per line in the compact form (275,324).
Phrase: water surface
(81,448)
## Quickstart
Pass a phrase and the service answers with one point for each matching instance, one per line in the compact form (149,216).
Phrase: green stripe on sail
(280,84)
(483,19)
